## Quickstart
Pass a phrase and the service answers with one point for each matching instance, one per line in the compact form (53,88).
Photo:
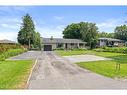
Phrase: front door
(66,46)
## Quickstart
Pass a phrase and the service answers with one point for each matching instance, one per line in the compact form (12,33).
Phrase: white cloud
(47,32)
(9,35)
(9,28)
(13,10)
(58,17)
(10,24)
(60,27)
(4,25)
(110,24)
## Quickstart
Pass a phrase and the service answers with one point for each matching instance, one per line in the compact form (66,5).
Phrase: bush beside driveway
(10,53)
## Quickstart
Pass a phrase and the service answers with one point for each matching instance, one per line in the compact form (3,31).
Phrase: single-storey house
(110,42)
(50,44)
(5,41)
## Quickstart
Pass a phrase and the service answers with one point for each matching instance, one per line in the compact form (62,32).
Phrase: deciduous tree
(121,32)
(89,32)
(85,31)
(72,31)
(106,35)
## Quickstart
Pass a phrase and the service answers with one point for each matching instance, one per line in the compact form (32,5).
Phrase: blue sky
(51,20)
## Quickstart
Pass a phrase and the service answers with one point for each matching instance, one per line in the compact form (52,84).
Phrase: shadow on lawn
(122,59)
(120,66)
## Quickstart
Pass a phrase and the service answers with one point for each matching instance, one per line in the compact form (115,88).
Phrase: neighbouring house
(5,41)
(50,44)
(110,42)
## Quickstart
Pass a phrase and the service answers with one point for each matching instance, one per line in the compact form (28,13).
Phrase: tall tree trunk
(29,43)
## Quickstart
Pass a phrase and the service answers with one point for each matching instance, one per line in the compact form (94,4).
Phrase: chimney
(51,38)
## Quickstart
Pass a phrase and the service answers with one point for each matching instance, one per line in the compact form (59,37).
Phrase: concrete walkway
(55,72)
(85,58)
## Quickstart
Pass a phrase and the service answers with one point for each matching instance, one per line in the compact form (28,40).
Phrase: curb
(31,73)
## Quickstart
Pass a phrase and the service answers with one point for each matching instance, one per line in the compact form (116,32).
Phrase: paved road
(55,72)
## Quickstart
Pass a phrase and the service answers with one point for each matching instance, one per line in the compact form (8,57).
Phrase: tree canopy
(121,32)
(89,31)
(27,34)
(84,30)
(105,34)
(72,31)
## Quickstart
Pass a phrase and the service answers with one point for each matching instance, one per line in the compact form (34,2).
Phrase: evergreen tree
(26,35)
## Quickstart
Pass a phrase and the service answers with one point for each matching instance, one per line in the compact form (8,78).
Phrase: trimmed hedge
(112,49)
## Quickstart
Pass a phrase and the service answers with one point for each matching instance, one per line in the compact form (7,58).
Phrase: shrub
(99,50)
(5,47)
(7,50)
(10,53)
(112,49)
(59,48)
(79,49)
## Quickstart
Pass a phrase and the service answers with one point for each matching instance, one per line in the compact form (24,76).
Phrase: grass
(70,52)
(81,52)
(14,74)
(106,68)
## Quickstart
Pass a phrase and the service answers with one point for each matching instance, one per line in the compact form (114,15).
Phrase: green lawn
(71,52)
(14,74)
(80,52)
(106,68)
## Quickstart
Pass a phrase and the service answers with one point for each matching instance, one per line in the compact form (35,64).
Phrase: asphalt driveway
(26,56)
(56,72)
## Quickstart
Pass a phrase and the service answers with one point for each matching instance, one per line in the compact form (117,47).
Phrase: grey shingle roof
(7,41)
(110,39)
(60,40)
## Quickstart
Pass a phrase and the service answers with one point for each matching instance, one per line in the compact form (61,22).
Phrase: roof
(61,40)
(110,39)
(7,41)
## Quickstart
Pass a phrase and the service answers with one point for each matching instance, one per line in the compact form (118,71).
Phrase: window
(81,44)
(59,45)
(72,44)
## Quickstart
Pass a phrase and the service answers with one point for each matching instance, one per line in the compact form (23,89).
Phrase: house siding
(63,43)
(111,42)
(69,45)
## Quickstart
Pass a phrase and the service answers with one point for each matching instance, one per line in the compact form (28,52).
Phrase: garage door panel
(47,47)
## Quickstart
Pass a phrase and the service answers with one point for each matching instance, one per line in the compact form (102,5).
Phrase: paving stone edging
(31,73)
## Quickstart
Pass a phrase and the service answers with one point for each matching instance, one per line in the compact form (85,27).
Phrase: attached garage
(47,47)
